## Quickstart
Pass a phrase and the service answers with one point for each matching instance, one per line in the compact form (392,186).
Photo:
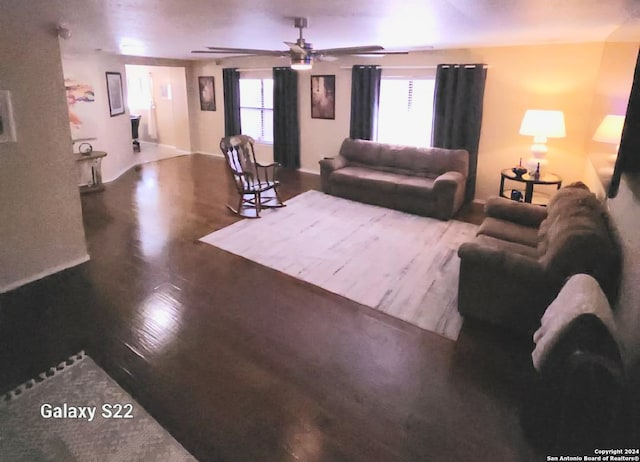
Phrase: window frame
(409,100)
(264,138)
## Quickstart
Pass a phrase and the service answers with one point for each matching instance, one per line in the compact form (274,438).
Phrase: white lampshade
(610,129)
(541,124)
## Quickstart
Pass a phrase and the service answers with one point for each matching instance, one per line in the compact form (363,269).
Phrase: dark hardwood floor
(242,363)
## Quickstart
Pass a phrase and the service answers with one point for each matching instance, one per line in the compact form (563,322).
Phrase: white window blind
(256,109)
(405,111)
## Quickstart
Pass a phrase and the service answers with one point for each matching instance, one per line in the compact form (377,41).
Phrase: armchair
(522,255)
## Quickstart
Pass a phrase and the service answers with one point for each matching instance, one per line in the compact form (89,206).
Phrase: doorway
(158,95)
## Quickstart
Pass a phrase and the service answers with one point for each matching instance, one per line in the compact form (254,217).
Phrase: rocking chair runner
(256,183)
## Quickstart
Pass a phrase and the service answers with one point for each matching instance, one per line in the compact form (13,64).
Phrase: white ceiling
(172,28)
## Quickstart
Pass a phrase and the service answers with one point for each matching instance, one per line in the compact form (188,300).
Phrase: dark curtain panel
(286,129)
(457,112)
(365,95)
(231,86)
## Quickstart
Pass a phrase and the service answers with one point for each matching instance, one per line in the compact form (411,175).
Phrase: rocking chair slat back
(256,184)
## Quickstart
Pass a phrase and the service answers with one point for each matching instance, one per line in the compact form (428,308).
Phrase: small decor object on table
(519,170)
(85,148)
(536,174)
(516,195)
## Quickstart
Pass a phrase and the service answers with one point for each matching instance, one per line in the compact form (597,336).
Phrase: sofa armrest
(449,191)
(517,212)
(450,179)
(329,164)
(514,265)
(503,288)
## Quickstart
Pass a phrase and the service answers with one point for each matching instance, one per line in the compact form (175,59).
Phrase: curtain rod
(392,67)
(261,69)
(415,67)
(255,69)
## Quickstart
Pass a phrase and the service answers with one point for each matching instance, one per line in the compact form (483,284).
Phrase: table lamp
(541,124)
(610,131)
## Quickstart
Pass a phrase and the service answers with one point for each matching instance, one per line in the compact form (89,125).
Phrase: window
(256,109)
(405,113)
(138,93)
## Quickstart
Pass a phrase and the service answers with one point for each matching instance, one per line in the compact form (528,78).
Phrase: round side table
(529,182)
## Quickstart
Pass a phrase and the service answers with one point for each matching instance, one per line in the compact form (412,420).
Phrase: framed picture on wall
(323,96)
(207,93)
(7,125)
(114,91)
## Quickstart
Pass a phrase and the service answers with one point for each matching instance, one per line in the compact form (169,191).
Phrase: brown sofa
(424,181)
(522,255)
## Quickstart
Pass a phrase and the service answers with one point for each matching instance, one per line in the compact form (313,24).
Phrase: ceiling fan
(301,52)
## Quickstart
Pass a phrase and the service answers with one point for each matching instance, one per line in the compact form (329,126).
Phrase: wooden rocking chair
(256,184)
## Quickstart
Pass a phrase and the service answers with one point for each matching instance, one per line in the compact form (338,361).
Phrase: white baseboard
(160,145)
(45,273)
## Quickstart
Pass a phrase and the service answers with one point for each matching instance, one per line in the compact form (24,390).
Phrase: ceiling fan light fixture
(301,63)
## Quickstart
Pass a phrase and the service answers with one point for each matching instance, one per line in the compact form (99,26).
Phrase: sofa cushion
(365,178)
(381,181)
(522,213)
(507,246)
(361,151)
(415,186)
(509,231)
(575,237)
(405,160)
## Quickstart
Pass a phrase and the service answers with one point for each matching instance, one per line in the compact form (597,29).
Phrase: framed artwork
(114,91)
(7,124)
(207,93)
(323,96)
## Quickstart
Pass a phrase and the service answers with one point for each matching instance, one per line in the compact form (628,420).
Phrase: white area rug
(404,265)
(42,420)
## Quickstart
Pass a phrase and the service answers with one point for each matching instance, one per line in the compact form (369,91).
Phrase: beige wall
(525,77)
(180,109)
(41,227)
(207,127)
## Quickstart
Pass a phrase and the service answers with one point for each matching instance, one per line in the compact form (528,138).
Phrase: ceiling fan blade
(296,48)
(383,53)
(325,58)
(246,51)
(350,50)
